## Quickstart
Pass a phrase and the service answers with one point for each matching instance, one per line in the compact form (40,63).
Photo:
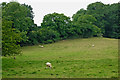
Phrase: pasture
(72,58)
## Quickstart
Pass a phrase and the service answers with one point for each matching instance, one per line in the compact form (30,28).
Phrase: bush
(47,35)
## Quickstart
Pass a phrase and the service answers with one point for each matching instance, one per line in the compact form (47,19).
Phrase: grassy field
(74,58)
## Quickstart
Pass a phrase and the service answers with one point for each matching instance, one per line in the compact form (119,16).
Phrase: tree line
(19,29)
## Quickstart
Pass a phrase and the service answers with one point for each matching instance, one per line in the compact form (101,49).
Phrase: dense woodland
(19,29)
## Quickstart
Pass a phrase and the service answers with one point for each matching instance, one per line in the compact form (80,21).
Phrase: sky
(68,7)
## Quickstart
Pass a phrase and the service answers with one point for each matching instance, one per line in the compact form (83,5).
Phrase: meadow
(72,58)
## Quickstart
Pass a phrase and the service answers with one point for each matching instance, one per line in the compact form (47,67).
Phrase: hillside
(76,58)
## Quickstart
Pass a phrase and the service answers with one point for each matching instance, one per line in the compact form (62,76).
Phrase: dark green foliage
(112,28)
(45,35)
(32,37)
(22,17)
(59,23)
(106,18)
(78,14)
(97,10)
(84,26)
(17,25)
(30,10)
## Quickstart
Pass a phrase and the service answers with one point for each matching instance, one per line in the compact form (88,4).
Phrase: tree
(59,23)
(17,24)
(30,12)
(107,18)
(10,39)
(97,10)
(112,29)
(85,27)
(78,14)
(21,16)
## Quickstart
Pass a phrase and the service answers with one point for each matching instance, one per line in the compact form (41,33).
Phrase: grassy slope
(70,58)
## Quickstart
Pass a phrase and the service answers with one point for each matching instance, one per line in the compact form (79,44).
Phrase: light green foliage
(69,58)
(88,19)
(9,39)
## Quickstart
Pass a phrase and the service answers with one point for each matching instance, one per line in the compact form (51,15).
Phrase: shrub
(47,35)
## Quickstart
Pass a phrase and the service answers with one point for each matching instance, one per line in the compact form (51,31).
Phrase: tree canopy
(59,23)
(106,16)
(17,22)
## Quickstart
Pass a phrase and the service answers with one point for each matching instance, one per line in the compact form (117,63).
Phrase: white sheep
(93,45)
(48,65)
(41,46)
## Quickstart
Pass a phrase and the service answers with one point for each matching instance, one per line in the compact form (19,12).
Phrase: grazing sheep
(93,45)
(41,46)
(48,65)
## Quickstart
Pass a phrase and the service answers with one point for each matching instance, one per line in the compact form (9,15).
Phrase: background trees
(21,16)
(17,22)
(112,28)
(59,23)
(97,10)
(45,35)
(106,16)
(84,24)
(19,28)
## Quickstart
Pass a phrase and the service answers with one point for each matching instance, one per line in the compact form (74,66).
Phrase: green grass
(74,58)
